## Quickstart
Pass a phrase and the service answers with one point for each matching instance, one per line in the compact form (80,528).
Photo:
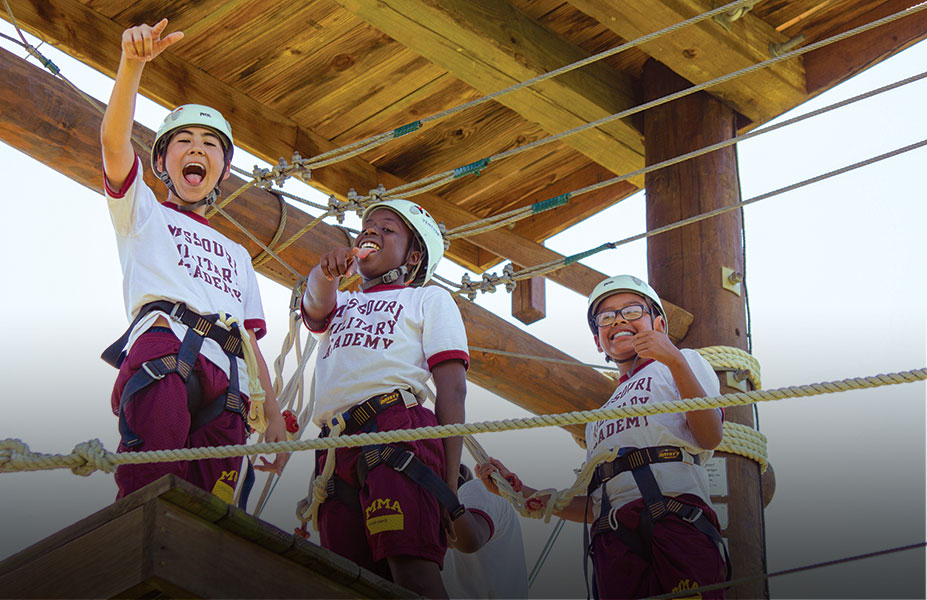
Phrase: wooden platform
(173,540)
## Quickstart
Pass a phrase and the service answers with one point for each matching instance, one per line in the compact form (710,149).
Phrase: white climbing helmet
(425,229)
(190,115)
(621,283)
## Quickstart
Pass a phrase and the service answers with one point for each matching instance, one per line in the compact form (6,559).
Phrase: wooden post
(528,300)
(686,266)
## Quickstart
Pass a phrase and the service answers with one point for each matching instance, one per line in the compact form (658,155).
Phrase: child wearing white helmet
(388,506)
(653,529)
(182,379)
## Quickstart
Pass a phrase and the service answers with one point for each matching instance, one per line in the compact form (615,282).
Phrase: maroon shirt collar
(383,287)
(192,215)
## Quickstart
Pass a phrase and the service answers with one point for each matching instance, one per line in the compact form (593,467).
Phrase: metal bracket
(726,19)
(733,380)
(730,280)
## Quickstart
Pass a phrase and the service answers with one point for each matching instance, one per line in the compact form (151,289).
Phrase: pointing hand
(144,42)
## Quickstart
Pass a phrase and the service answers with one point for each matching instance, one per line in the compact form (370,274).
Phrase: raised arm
(139,45)
(705,425)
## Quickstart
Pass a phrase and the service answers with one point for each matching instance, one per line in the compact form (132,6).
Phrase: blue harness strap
(199,327)
(638,461)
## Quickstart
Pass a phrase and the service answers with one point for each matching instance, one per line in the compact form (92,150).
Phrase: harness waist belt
(360,414)
(640,457)
(203,325)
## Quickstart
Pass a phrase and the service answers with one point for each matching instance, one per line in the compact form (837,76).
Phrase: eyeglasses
(631,312)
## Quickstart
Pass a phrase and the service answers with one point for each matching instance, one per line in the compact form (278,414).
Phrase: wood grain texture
(492,45)
(705,51)
(685,266)
(837,62)
(59,116)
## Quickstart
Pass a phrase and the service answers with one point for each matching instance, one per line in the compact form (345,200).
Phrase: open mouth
(371,245)
(194,173)
(622,334)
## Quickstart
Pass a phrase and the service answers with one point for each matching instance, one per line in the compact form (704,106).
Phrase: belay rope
(90,456)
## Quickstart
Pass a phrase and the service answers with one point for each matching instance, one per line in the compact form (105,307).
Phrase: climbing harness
(638,461)
(199,327)
(360,419)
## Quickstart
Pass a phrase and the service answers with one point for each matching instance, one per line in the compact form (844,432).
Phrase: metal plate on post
(717,476)
(730,280)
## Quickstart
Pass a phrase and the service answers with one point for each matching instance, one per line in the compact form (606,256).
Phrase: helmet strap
(386,278)
(209,200)
(184,206)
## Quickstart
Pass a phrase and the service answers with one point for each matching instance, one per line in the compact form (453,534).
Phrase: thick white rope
(15,455)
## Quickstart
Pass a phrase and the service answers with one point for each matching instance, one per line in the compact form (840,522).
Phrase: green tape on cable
(550,203)
(475,167)
(401,131)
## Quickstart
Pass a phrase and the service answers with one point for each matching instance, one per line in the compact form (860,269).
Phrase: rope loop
(728,358)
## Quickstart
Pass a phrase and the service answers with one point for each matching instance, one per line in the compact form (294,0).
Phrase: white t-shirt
(497,570)
(653,382)
(171,255)
(386,338)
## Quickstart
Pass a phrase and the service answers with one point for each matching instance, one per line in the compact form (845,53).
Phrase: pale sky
(837,287)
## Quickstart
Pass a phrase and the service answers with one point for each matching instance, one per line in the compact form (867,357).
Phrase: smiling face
(615,339)
(195,161)
(384,232)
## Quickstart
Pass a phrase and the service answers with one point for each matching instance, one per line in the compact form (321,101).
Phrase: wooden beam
(528,300)
(78,30)
(170,81)
(552,222)
(830,65)
(491,45)
(60,129)
(705,51)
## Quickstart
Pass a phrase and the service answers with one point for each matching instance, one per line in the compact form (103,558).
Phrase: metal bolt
(735,277)
(787,46)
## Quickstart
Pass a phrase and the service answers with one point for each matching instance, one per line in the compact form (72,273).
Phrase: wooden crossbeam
(94,39)
(60,129)
(837,62)
(706,50)
(491,45)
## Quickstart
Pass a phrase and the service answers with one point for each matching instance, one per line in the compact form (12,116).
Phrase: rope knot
(12,455)
(94,456)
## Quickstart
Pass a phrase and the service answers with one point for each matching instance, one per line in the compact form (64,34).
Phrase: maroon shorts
(158,414)
(395,516)
(683,557)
